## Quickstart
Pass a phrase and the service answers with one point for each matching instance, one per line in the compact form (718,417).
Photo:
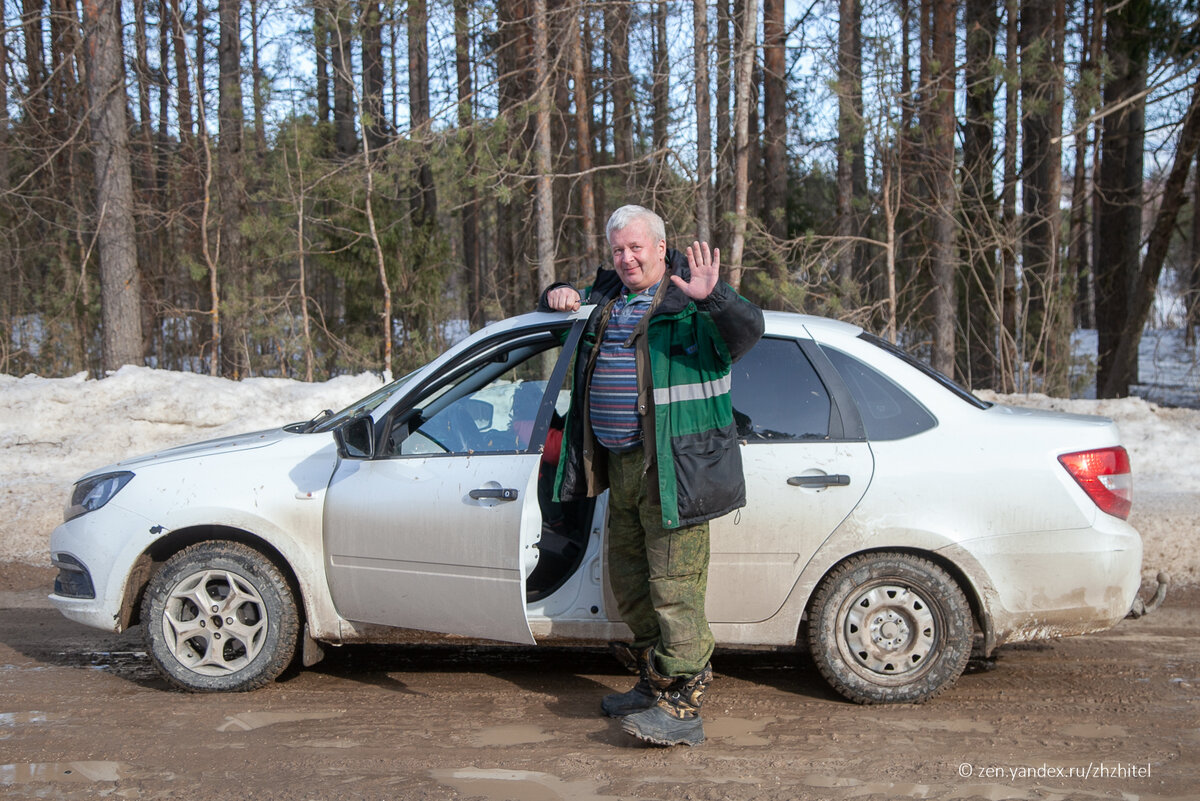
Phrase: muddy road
(84,715)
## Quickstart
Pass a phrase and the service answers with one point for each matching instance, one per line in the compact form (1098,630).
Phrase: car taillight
(1105,476)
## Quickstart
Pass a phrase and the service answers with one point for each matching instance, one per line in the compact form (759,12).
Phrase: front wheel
(220,617)
(889,628)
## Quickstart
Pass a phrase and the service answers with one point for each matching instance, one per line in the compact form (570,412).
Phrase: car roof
(777,322)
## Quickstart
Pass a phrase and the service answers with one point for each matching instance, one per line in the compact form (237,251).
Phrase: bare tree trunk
(470,212)
(182,76)
(980,302)
(120,291)
(342,64)
(724,183)
(703,123)
(775,134)
(380,264)
(616,24)
(374,125)
(1041,92)
(660,92)
(5,307)
(543,198)
(424,201)
(942,193)
(1146,281)
(1009,366)
(1191,302)
(235,333)
(321,24)
(257,99)
(1118,219)
(741,173)
(851,152)
(1078,271)
(37,101)
(583,146)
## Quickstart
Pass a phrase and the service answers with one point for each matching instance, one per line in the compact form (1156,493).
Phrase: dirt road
(84,715)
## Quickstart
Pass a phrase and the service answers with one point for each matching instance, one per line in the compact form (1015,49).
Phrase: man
(651,421)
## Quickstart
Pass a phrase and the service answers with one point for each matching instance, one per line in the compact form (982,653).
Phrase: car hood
(212,447)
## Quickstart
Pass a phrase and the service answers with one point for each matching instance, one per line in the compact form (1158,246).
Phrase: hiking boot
(675,717)
(643,695)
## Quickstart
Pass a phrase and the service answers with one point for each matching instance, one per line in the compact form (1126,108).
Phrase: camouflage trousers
(658,575)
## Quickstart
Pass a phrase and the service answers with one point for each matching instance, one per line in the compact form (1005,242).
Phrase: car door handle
(835,480)
(500,494)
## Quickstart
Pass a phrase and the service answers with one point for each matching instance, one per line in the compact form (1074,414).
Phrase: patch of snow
(54,430)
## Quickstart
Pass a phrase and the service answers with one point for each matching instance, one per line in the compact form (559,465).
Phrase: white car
(893,520)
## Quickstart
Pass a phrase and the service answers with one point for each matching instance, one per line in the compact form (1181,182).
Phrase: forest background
(308,188)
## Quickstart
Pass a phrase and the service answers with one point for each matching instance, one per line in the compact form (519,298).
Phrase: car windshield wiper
(316,421)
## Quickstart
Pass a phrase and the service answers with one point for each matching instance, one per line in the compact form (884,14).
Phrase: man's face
(639,260)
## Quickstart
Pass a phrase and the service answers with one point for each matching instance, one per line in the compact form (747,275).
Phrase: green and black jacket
(685,350)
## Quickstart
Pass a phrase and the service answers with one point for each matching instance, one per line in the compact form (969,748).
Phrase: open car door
(438,530)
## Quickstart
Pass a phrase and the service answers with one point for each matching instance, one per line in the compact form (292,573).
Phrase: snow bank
(56,429)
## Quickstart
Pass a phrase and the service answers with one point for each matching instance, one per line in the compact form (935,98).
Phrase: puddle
(77,772)
(9,721)
(860,788)
(958,725)
(516,785)
(248,721)
(515,734)
(739,731)
(324,744)
(28,718)
(1094,730)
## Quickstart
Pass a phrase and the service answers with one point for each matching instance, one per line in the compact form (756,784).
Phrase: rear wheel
(220,617)
(890,628)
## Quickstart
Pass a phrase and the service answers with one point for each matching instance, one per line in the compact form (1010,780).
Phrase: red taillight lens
(1105,476)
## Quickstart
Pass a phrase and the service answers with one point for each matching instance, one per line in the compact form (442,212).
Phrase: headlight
(92,493)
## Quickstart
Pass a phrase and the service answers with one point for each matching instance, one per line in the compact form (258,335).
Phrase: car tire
(889,628)
(220,617)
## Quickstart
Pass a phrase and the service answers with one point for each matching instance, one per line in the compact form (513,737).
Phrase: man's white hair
(622,217)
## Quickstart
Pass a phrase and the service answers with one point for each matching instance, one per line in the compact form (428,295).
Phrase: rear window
(887,410)
(946,381)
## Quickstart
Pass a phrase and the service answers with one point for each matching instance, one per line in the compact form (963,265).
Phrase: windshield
(327,422)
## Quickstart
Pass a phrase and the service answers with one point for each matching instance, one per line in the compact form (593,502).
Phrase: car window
(887,410)
(490,406)
(955,388)
(777,395)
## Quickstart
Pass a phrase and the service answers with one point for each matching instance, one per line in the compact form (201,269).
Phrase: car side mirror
(356,438)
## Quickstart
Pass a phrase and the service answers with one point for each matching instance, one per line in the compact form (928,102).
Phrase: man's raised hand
(704,266)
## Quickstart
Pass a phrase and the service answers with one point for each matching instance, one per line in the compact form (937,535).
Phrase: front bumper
(99,548)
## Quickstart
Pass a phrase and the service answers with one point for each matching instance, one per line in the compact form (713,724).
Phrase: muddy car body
(892,520)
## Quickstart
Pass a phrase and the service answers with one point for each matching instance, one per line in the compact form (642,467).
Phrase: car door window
(777,395)
(491,405)
(888,412)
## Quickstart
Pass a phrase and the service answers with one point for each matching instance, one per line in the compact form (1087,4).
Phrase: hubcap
(890,629)
(214,622)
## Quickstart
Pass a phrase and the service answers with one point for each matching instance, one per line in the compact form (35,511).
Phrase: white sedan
(893,523)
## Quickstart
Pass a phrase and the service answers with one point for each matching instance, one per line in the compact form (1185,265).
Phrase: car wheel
(889,628)
(220,617)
